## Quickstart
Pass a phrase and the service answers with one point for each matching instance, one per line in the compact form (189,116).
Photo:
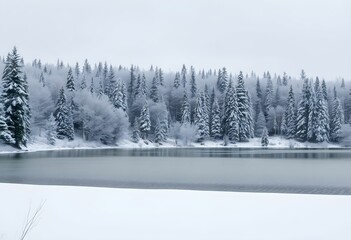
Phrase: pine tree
(144,121)
(77,70)
(63,117)
(176,83)
(312,116)
(5,134)
(336,121)
(42,79)
(161,78)
(161,131)
(215,120)
(193,87)
(303,112)
(136,131)
(183,73)
(285,79)
(131,86)
(51,131)
(230,119)
(91,87)
(264,139)
(260,124)
(100,90)
(185,109)
(222,82)
(199,119)
(268,103)
(244,111)
(70,85)
(83,83)
(15,100)
(322,117)
(154,92)
(290,115)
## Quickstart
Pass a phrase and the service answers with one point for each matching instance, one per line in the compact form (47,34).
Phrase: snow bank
(110,214)
(40,144)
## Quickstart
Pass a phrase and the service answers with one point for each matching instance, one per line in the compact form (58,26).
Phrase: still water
(319,171)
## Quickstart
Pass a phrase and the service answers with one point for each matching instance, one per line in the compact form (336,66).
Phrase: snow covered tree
(136,131)
(264,138)
(63,117)
(303,112)
(215,120)
(42,79)
(92,87)
(185,109)
(200,119)
(131,86)
(321,126)
(5,134)
(244,111)
(336,121)
(222,82)
(268,103)
(70,85)
(193,87)
(154,92)
(176,83)
(140,88)
(183,73)
(285,79)
(144,121)
(290,115)
(230,118)
(100,90)
(83,83)
(51,131)
(161,131)
(15,100)
(260,124)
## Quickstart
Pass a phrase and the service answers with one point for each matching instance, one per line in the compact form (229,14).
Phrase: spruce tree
(70,85)
(199,119)
(42,79)
(83,83)
(51,131)
(92,87)
(183,73)
(222,82)
(193,87)
(264,139)
(268,103)
(176,83)
(322,117)
(5,134)
(185,109)
(154,92)
(244,110)
(260,124)
(285,79)
(290,115)
(63,118)
(336,121)
(15,100)
(303,112)
(215,120)
(136,131)
(230,118)
(144,121)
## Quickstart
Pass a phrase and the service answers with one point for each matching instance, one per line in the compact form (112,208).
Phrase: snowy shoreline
(109,214)
(39,145)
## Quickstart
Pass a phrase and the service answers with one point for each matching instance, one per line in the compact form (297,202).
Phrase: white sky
(259,35)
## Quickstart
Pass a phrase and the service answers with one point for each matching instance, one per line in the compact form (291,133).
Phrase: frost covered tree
(290,115)
(161,131)
(5,134)
(230,118)
(154,92)
(303,112)
(268,103)
(83,83)
(200,119)
(260,124)
(42,79)
(285,79)
(321,126)
(118,97)
(176,83)
(222,82)
(63,118)
(15,100)
(193,87)
(185,109)
(144,121)
(336,121)
(264,138)
(51,131)
(245,122)
(70,84)
(184,73)
(215,120)
(136,131)
(92,87)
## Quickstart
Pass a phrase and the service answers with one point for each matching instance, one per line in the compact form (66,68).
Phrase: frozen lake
(319,171)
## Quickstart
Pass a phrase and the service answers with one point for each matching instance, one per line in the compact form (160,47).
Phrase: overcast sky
(259,35)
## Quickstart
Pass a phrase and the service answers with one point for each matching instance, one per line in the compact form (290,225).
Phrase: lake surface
(314,171)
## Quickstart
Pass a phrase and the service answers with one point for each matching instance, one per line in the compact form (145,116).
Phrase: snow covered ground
(102,213)
(40,144)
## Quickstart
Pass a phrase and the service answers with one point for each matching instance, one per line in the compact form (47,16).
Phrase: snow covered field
(40,144)
(101,213)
